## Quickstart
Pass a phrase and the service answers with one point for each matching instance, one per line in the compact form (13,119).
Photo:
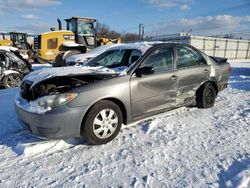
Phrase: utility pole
(141,32)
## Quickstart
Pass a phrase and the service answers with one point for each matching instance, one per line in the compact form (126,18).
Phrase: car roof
(141,46)
(3,51)
(8,48)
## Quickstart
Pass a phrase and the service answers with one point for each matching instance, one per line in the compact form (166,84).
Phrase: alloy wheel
(13,81)
(105,123)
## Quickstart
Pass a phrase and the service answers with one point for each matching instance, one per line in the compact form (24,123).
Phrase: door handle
(173,77)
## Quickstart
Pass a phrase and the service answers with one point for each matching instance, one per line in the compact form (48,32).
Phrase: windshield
(85,28)
(117,59)
(19,38)
(112,58)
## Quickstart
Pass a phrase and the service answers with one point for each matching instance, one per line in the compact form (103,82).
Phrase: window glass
(52,43)
(188,57)
(112,58)
(160,59)
(72,25)
(85,28)
(134,56)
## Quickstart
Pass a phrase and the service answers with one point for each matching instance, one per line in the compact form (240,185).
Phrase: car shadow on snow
(234,175)
(240,78)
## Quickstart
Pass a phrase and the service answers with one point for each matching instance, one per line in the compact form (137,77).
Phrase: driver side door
(156,91)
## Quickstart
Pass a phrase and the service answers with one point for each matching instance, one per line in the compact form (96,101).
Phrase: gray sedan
(95,101)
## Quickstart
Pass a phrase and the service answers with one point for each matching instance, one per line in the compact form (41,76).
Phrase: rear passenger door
(192,72)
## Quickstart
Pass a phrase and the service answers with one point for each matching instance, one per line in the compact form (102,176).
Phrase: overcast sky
(158,16)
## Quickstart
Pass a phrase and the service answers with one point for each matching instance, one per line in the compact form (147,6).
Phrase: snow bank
(35,149)
(40,66)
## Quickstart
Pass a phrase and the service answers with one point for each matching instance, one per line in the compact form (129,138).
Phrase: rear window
(188,57)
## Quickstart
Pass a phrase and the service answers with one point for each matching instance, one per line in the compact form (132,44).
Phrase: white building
(219,47)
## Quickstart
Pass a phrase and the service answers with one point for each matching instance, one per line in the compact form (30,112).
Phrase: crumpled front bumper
(57,123)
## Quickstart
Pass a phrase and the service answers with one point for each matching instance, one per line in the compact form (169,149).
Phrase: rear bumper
(62,122)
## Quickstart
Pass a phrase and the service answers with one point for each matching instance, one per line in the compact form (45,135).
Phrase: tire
(12,80)
(60,60)
(205,96)
(102,123)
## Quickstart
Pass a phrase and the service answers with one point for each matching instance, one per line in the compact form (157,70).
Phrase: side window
(52,43)
(188,57)
(2,57)
(160,59)
(134,56)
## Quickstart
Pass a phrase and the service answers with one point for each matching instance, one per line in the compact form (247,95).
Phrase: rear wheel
(102,123)
(205,96)
(12,80)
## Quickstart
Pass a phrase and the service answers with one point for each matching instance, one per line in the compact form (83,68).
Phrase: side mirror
(144,71)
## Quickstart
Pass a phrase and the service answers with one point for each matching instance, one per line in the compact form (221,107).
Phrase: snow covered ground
(187,147)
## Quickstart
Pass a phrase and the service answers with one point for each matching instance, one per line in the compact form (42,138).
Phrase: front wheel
(205,96)
(12,80)
(102,123)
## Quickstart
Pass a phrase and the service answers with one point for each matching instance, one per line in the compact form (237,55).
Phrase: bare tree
(130,37)
(103,30)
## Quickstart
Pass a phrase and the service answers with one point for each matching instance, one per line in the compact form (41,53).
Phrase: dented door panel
(152,93)
(189,80)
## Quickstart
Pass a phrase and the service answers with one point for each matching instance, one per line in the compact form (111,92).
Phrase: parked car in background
(80,59)
(95,101)
(12,68)
(14,49)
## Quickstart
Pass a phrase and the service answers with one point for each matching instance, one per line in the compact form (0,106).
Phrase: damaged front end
(54,92)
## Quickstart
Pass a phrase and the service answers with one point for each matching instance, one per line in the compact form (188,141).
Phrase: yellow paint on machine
(6,42)
(52,41)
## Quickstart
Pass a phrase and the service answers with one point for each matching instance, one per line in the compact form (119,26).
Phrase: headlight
(51,101)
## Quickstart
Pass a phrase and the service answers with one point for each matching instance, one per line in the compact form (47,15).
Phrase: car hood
(93,53)
(44,74)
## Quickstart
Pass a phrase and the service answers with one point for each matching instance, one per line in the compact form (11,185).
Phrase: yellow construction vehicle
(5,40)
(79,37)
(22,41)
